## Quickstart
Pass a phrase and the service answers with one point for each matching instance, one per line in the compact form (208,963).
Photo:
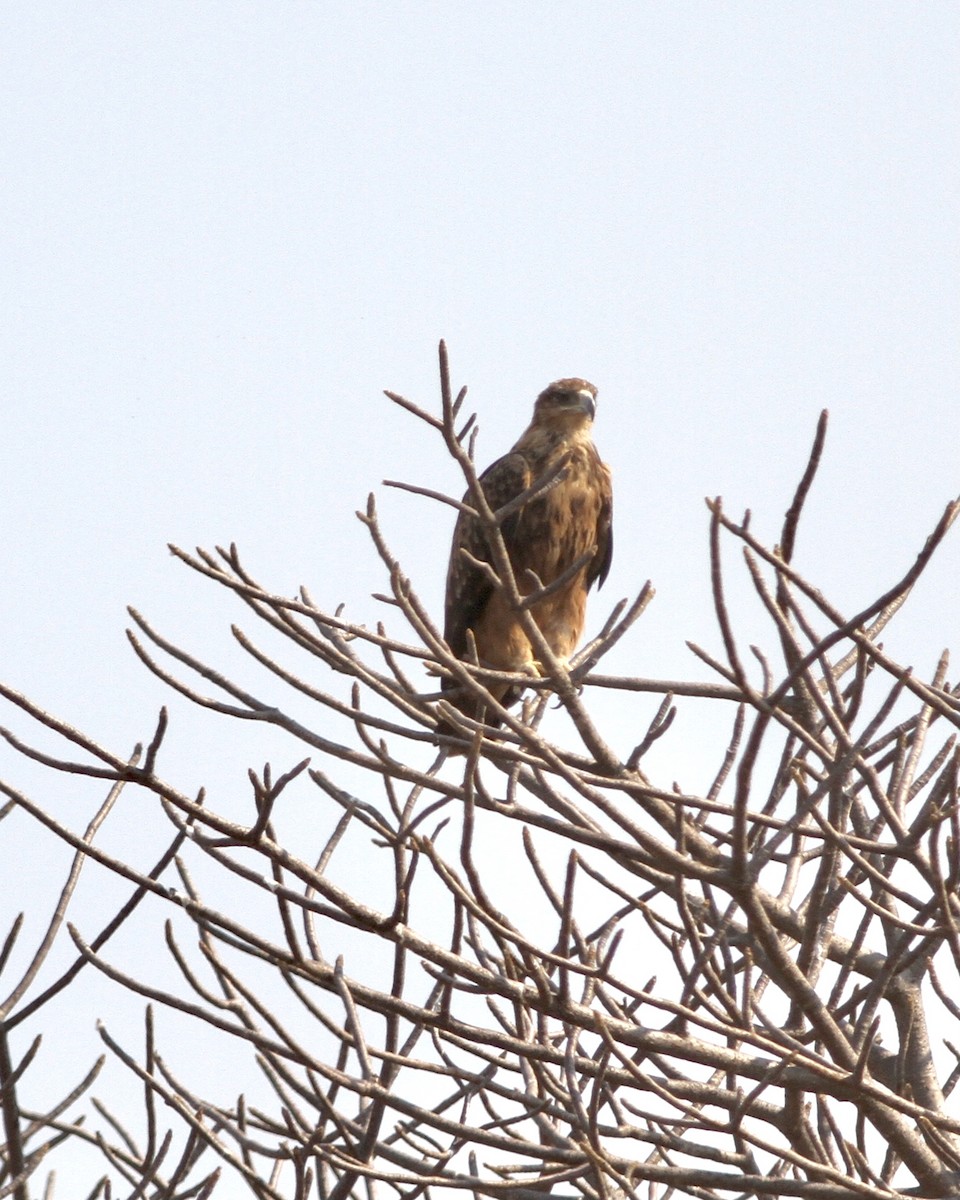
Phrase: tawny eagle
(546,536)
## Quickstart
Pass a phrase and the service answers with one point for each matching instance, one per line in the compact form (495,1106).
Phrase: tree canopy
(535,965)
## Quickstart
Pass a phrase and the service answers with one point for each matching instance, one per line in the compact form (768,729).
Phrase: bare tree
(532,967)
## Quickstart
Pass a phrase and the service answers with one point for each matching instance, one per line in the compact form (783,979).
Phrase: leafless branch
(534,968)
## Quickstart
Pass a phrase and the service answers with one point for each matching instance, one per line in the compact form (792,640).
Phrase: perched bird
(571,518)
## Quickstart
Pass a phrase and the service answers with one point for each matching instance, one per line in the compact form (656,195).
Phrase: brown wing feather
(599,569)
(468,588)
(554,530)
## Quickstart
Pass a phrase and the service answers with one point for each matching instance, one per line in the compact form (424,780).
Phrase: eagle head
(567,402)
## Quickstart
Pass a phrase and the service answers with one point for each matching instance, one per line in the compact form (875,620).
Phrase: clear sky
(226,227)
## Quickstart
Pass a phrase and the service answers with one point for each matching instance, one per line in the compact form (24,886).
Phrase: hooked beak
(587,403)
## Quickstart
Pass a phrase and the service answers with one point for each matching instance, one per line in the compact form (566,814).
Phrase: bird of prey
(569,519)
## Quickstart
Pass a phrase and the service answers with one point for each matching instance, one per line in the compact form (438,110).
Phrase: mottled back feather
(468,587)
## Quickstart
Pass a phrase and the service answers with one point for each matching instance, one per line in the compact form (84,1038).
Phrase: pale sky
(226,227)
